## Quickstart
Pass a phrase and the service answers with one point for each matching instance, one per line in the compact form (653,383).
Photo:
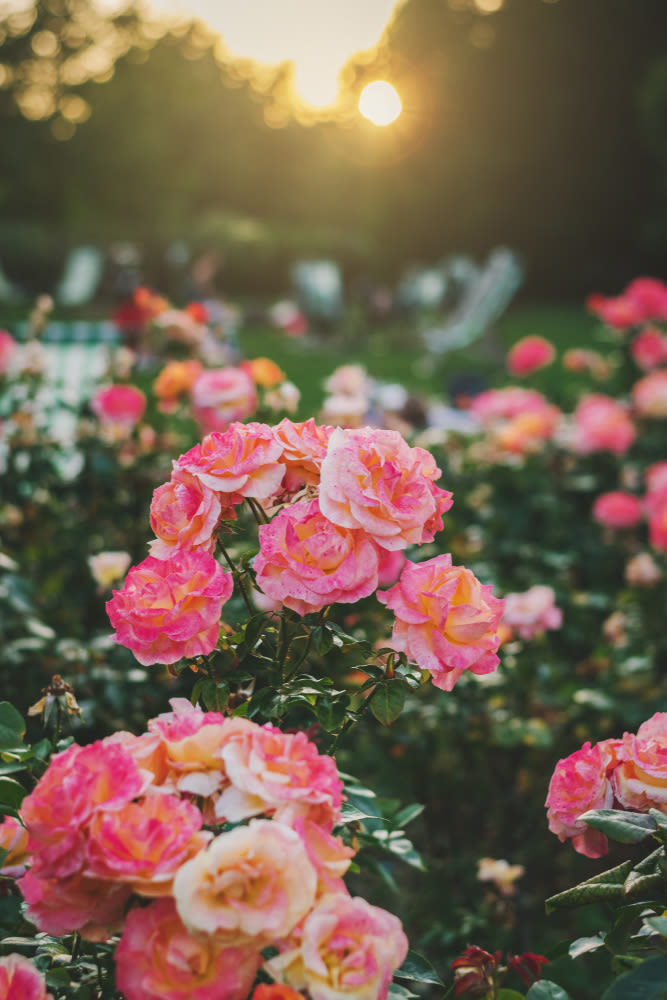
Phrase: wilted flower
(109,567)
(501,873)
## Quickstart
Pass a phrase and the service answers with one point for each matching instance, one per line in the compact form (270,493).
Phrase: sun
(380,103)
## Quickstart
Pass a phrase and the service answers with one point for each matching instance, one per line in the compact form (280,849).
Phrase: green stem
(257,511)
(237,578)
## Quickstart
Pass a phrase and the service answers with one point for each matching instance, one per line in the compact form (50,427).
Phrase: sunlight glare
(380,103)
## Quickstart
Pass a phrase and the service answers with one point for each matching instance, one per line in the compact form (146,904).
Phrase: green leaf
(407,814)
(11,792)
(397,992)
(418,969)
(658,924)
(607,885)
(585,945)
(388,701)
(544,989)
(323,640)
(647,981)
(625,827)
(510,995)
(12,726)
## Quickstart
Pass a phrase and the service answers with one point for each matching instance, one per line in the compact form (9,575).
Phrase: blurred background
(217,143)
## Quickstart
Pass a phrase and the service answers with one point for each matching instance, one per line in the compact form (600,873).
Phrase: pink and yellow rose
(243,461)
(602,424)
(531,612)
(640,780)
(581,782)
(649,395)
(446,620)
(20,980)
(170,608)
(185,513)
(221,396)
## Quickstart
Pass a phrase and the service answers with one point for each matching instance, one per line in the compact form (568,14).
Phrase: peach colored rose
(77,783)
(158,959)
(13,840)
(348,948)
(371,479)
(642,570)
(579,359)
(283,399)
(252,884)
(649,348)
(275,991)
(349,380)
(640,780)
(108,567)
(304,447)
(170,608)
(244,461)
(59,906)
(20,980)
(307,562)
(268,769)
(602,424)
(223,395)
(264,372)
(532,611)
(446,620)
(501,873)
(119,405)
(185,514)
(617,509)
(649,395)
(527,432)
(174,381)
(327,853)
(530,354)
(581,782)
(7,349)
(181,325)
(144,843)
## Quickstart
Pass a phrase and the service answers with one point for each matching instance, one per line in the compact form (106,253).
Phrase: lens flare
(380,103)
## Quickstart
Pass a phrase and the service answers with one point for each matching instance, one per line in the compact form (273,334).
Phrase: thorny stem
(237,578)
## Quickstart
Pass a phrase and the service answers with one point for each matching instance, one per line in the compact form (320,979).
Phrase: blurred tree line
(542,126)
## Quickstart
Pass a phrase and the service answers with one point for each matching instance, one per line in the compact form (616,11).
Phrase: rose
(170,608)
(642,570)
(529,354)
(532,611)
(59,906)
(7,349)
(304,447)
(649,395)
(348,948)
(269,769)
(617,509)
(649,348)
(222,395)
(649,296)
(120,405)
(175,379)
(581,782)
(655,477)
(640,780)
(656,509)
(264,372)
(185,514)
(275,991)
(527,432)
(602,424)
(13,840)
(20,980)
(108,567)
(372,480)
(503,404)
(243,461)
(252,884)
(446,620)
(158,959)
(306,562)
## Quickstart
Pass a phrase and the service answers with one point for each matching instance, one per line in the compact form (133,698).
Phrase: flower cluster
(628,773)
(337,507)
(203,841)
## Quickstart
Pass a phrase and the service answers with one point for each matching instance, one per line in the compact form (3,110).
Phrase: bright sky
(318,35)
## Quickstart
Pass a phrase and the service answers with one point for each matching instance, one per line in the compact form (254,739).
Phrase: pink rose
(306,562)
(527,432)
(532,611)
(348,948)
(304,447)
(244,461)
(371,479)
(19,979)
(221,396)
(59,906)
(649,348)
(269,769)
(184,515)
(326,852)
(170,608)
(390,566)
(617,509)
(77,783)
(122,405)
(657,520)
(602,424)
(7,349)
(649,395)
(581,782)
(158,959)
(640,780)
(503,404)
(144,843)
(649,297)
(655,477)
(252,885)
(619,313)
(446,620)
(530,354)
